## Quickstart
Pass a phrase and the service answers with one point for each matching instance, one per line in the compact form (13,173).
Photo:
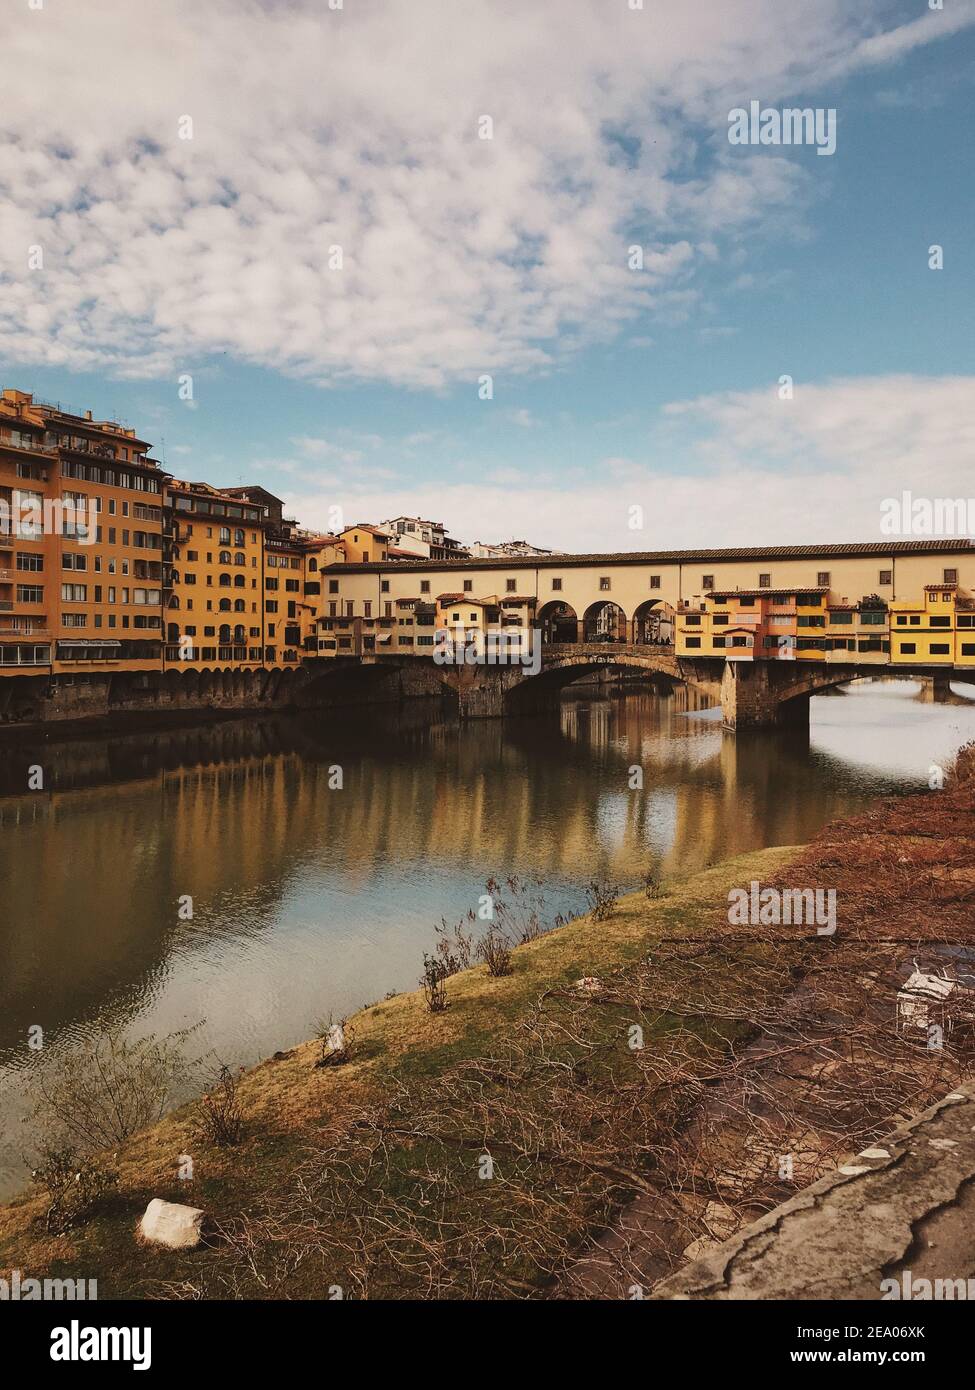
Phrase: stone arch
(604,621)
(653,623)
(558,621)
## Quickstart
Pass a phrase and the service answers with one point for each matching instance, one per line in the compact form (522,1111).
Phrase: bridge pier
(752,696)
(935,689)
(483,690)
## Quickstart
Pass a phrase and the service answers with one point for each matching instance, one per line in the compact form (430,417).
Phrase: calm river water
(310,900)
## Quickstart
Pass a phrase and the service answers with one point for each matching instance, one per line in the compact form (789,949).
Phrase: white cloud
(753,470)
(314,128)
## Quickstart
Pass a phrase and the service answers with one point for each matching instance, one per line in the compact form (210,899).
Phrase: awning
(87,642)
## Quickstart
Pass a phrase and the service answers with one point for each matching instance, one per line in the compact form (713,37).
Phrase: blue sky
(772,261)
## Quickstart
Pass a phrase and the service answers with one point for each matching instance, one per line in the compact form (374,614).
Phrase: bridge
(751,694)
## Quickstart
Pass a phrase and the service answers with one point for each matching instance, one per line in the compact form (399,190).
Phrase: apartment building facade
(82,545)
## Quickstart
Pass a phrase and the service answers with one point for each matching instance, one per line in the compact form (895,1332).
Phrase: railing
(11,656)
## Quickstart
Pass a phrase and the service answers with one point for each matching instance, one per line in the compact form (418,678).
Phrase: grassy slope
(286,1100)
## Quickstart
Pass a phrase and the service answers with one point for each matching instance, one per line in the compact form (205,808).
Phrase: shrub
(76,1185)
(432,982)
(602,898)
(652,886)
(96,1095)
(219,1120)
(495,953)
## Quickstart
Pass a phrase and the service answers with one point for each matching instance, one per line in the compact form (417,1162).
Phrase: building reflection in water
(309,900)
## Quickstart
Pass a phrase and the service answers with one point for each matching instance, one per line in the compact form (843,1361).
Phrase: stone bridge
(751,694)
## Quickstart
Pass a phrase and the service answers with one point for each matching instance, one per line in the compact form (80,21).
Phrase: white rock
(172,1225)
(589,984)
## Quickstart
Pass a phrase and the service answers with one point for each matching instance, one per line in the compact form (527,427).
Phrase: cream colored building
(629,586)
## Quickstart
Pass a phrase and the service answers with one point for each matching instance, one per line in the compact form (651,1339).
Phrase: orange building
(82,566)
(215,609)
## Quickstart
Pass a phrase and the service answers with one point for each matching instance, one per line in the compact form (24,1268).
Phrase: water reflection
(309,899)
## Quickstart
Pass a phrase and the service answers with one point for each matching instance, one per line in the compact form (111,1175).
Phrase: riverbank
(476,1152)
(290,1105)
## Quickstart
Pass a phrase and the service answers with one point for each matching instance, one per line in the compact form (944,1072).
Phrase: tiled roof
(833,550)
(769,593)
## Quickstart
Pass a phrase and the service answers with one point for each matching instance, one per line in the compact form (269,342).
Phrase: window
(556,586)
(511,585)
(940,649)
(424,586)
(74,620)
(384,586)
(30,593)
(822,579)
(886,577)
(951,576)
(843,617)
(74,562)
(333,586)
(693,641)
(604,584)
(968,648)
(908,648)
(940,622)
(765,581)
(655,581)
(707,581)
(74,593)
(30,562)
(468,586)
(719,641)
(873,617)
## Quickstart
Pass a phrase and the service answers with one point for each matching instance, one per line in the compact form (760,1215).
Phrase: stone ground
(907,1204)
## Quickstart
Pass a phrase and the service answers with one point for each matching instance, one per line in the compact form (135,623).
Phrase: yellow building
(215,612)
(365,545)
(923,632)
(964,631)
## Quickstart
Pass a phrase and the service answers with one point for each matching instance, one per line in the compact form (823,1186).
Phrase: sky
(272,238)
